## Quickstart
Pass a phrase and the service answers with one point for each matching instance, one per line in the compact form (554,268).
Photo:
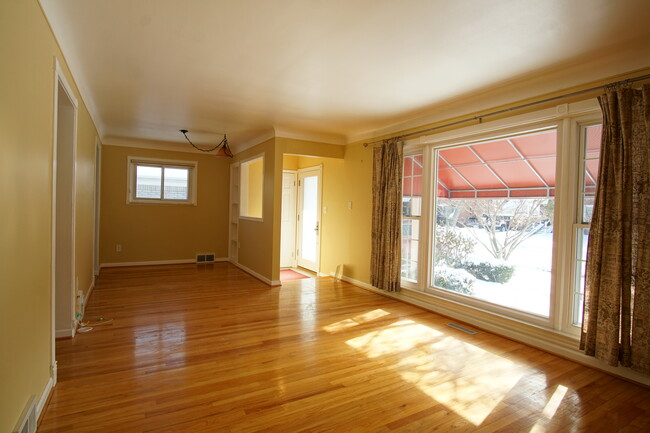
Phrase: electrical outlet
(118,248)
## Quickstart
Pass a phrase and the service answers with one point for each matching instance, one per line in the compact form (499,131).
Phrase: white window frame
(134,161)
(567,120)
(423,218)
(581,124)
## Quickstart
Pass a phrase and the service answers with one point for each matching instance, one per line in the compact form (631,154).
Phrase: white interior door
(309,205)
(288,226)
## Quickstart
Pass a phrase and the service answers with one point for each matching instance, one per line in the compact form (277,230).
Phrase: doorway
(63,212)
(308,218)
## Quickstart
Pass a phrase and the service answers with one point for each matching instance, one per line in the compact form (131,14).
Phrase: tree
(518,219)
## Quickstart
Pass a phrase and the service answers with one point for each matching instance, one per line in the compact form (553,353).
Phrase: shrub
(456,280)
(487,271)
(452,247)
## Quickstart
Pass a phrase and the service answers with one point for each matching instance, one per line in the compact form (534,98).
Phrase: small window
(161,181)
(252,188)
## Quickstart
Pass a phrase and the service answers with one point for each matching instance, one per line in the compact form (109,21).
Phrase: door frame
(98,193)
(59,79)
(319,170)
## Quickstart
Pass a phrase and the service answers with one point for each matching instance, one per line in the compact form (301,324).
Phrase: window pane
(591,161)
(309,236)
(176,183)
(412,186)
(148,181)
(410,245)
(493,234)
(582,237)
(411,207)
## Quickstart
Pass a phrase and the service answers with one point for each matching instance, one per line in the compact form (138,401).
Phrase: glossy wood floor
(210,349)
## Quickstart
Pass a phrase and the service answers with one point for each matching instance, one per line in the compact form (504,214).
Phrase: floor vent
(205,258)
(460,328)
(27,420)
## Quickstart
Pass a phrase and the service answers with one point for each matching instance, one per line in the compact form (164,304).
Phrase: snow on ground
(529,289)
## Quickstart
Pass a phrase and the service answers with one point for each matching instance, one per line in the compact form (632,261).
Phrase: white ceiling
(334,70)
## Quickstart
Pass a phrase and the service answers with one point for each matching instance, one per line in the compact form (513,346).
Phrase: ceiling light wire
(223,143)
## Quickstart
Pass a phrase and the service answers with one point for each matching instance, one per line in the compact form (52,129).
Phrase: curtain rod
(518,107)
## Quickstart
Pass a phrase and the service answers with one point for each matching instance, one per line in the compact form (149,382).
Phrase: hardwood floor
(210,349)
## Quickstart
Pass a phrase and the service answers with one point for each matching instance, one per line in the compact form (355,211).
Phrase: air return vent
(461,328)
(27,420)
(205,258)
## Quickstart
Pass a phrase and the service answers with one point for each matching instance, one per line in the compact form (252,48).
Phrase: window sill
(490,321)
(163,202)
(260,220)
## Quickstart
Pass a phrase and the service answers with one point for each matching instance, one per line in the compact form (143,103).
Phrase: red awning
(515,167)
(522,166)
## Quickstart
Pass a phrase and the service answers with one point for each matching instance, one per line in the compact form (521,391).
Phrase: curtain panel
(616,317)
(386,253)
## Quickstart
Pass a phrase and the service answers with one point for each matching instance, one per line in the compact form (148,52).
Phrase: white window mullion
(147,179)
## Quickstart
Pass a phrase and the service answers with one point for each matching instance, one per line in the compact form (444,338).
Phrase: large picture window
(493,232)
(496,216)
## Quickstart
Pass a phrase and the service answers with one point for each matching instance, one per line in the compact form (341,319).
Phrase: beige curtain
(616,321)
(386,254)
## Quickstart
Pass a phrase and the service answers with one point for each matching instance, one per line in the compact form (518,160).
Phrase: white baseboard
(256,275)
(61,333)
(157,262)
(90,290)
(560,347)
(44,396)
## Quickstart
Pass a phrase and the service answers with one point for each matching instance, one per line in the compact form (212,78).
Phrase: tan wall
(256,240)
(153,232)
(357,181)
(27,49)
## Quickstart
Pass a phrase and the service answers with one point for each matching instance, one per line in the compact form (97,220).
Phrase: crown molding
(140,143)
(338,139)
(252,142)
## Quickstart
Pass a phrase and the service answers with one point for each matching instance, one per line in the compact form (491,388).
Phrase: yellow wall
(155,232)
(27,50)
(290,162)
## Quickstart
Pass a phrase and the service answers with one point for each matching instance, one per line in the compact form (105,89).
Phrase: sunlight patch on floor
(465,378)
(549,410)
(356,320)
